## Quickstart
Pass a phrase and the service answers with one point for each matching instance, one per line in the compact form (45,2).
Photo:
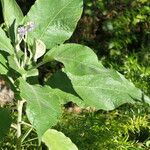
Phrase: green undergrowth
(127,128)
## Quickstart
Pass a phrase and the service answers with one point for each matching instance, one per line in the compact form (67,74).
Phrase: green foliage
(138,70)
(39,105)
(123,129)
(105,89)
(3,66)
(54,24)
(114,28)
(77,59)
(5,122)
(13,9)
(5,43)
(90,84)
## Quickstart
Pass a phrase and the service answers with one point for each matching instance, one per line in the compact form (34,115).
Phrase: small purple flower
(22,31)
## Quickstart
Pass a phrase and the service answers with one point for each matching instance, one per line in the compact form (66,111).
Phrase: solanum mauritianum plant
(31,41)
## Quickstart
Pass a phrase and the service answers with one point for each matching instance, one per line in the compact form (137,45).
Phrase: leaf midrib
(36,97)
(54,19)
(123,91)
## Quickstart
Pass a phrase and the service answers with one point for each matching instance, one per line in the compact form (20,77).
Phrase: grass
(122,129)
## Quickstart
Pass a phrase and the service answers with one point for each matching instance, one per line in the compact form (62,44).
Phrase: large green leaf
(5,43)
(78,59)
(11,12)
(43,105)
(57,140)
(98,87)
(103,92)
(55,20)
(5,122)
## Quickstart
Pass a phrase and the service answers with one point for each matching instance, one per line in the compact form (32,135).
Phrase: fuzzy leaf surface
(98,87)
(77,59)
(43,105)
(56,22)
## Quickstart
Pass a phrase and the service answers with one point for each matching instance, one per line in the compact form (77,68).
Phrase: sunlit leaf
(56,140)
(40,49)
(77,59)
(98,87)
(44,105)
(56,22)
(11,12)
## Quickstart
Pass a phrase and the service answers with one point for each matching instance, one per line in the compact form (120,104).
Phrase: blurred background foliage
(119,33)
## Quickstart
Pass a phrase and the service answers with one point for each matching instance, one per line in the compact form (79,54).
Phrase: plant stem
(19,107)
(26,134)
(25,53)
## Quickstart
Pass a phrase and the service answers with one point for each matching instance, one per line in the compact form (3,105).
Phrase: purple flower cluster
(22,31)
(27,28)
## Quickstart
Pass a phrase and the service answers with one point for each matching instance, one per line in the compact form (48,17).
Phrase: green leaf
(56,140)
(3,66)
(11,12)
(103,92)
(5,122)
(3,70)
(13,33)
(40,49)
(5,43)
(56,22)
(77,59)
(98,87)
(13,63)
(43,105)
(32,73)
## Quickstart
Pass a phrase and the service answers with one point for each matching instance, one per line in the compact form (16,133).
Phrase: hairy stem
(19,107)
